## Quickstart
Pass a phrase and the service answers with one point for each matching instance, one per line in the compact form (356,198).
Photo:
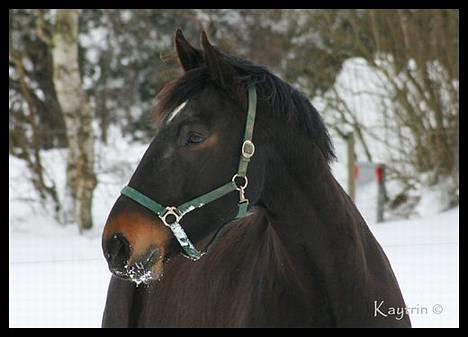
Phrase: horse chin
(143,272)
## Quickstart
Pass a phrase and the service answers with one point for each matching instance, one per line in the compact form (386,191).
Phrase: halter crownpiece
(171,215)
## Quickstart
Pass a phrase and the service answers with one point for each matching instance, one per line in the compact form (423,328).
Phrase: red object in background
(379,172)
(356,172)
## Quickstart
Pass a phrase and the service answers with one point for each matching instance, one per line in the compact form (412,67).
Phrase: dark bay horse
(302,256)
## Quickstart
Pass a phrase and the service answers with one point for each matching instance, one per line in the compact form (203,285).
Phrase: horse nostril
(118,251)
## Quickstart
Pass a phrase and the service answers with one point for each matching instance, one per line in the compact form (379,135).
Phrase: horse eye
(194,138)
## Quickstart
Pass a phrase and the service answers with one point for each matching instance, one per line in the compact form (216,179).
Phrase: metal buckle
(170,211)
(248,149)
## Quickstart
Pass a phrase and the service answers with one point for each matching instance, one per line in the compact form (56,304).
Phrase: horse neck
(320,227)
(304,202)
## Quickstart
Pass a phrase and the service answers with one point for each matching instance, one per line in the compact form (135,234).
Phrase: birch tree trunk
(81,179)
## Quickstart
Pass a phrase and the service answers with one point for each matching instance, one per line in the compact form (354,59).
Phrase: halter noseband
(171,215)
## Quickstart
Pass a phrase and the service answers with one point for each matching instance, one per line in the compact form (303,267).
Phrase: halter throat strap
(171,215)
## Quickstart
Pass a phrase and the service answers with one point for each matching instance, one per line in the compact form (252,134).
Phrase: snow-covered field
(57,281)
(424,255)
(59,278)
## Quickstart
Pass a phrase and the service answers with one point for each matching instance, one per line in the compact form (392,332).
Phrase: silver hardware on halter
(170,211)
(242,197)
(246,181)
(241,189)
(248,149)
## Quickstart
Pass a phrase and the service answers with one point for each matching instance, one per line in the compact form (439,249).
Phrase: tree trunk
(81,179)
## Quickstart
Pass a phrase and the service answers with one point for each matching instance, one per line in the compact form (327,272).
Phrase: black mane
(286,102)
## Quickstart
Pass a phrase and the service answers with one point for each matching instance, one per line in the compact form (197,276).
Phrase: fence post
(351,165)
(380,172)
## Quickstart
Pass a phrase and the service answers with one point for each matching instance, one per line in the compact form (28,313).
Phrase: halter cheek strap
(171,215)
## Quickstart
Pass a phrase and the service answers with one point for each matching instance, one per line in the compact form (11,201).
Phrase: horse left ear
(220,70)
(189,57)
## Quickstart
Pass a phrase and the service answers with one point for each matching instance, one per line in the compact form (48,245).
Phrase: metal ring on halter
(170,211)
(245,180)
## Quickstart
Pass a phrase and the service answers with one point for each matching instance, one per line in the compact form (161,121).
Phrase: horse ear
(189,57)
(220,70)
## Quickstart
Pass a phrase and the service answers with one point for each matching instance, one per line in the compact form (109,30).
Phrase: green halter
(171,216)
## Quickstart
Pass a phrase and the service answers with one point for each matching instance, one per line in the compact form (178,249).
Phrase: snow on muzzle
(135,246)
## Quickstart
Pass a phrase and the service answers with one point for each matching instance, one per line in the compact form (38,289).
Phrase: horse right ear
(189,57)
(220,71)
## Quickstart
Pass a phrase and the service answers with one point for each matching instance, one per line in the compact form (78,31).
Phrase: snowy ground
(424,255)
(57,281)
(59,278)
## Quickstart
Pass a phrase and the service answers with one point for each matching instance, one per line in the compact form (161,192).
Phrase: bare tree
(81,179)
(415,55)
(25,139)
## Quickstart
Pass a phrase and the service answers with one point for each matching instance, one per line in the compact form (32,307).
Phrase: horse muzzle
(141,269)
